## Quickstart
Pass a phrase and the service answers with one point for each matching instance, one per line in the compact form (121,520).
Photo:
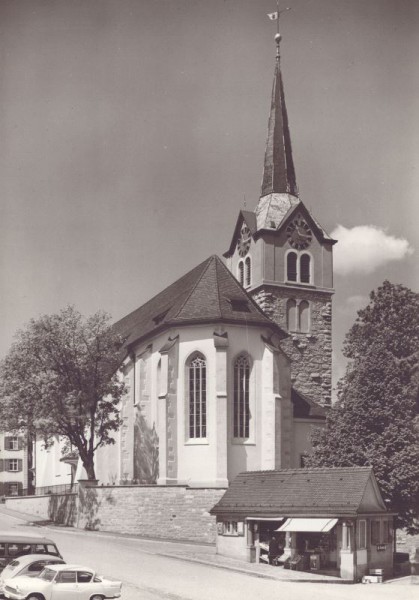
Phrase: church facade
(229,368)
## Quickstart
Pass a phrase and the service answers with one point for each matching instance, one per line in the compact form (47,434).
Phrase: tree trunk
(89,466)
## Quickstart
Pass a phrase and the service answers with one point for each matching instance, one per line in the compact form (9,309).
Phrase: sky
(133,131)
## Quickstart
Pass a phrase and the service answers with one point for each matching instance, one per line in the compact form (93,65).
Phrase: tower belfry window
(248,271)
(240,271)
(292,266)
(305,268)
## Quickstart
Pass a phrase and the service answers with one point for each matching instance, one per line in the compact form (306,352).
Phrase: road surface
(147,575)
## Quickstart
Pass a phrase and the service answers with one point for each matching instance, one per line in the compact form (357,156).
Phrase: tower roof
(278,171)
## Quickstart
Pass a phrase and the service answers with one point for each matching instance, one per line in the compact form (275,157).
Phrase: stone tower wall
(310,353)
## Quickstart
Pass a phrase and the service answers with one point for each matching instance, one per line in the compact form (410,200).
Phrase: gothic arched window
(292,266)
(304,316)
(305,268)
(240,270)
(291,315)
(197,396)
(248,270)
(241,408)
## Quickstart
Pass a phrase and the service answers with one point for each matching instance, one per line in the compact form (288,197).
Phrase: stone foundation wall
(161,512)
(310,353)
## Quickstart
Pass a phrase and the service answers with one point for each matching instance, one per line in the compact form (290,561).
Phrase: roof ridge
(193,288)
(302,469)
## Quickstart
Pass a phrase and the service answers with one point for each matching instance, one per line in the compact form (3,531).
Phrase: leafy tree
(60,377)
(375,419)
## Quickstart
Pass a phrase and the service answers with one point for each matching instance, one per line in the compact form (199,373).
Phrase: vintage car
(29,564)
(72,582)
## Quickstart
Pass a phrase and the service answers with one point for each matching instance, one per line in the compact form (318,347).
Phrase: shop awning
(265,518)
(306,525)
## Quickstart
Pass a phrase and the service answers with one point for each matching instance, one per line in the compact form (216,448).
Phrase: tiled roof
(296,492)
(209,292)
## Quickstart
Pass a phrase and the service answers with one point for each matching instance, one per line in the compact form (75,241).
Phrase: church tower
(283,258)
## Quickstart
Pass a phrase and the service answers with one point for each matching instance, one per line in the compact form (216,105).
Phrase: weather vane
(275,17)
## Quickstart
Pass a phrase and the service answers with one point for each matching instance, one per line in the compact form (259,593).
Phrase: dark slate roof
(296,492)
(278,172)
(208,293)
(305,408)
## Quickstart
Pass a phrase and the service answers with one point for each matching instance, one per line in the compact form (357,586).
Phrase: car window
(84,576)
(13,564)
(39,549)
(36,567)
(66,577)
(18,549)
(2,549)
(52,549)
(47,574)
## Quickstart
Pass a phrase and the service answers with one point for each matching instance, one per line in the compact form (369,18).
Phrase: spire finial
(275,17)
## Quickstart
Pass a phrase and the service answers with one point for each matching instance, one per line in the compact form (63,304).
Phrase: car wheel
(97,597)
(34,597)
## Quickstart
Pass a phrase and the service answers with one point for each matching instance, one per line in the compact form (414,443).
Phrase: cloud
(365,248)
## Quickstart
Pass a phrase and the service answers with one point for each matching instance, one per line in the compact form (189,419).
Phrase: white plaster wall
(233,546)
(197,458)
(48,468)
(246,455)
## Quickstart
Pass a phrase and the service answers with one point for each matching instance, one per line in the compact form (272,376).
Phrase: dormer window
(159,318)
(239,305)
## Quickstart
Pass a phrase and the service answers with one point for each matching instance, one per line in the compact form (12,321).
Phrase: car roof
(67,567)
(24,539)
(28,558)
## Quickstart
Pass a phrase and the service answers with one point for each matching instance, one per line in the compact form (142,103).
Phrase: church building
(229,368)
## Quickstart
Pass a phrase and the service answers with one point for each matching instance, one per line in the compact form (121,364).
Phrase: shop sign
(381,547)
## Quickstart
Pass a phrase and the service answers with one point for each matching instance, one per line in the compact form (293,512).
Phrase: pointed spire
(278,172)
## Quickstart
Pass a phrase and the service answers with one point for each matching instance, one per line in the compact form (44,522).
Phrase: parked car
(62,582)
(13,545)
(28,564)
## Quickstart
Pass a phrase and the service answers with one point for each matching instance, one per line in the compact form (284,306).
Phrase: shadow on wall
(88,509)
(146,451)
(63,509)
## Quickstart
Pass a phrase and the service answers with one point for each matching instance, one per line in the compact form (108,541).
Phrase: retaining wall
(163,512)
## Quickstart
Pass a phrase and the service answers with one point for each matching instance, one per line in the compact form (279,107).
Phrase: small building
(14,473)
(330,520)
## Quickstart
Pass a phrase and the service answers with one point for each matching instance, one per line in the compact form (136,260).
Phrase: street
(147,575)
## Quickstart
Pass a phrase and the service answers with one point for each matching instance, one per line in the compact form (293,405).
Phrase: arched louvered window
(291,315)
(241,407)
(248,271)
(240,271)
(292,266)
(304,316)
(305,268)
(197,396)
